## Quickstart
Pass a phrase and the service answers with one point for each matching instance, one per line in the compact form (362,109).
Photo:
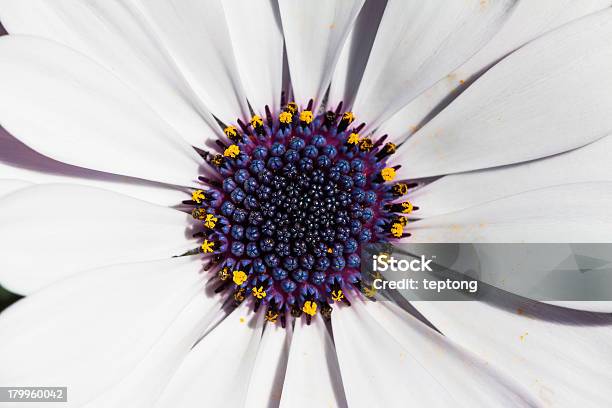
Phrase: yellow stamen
(285,118)
(271,316)
(223,274)
(326,311)
(239,277)
(208,246)
(310,308)
(402,220)
(397,230)
(306,117)
(217,160)
(407,207)
(256,121)
(210,221)
(231,132)
(198,196)
(239,295)
(390,148)
(353,139)
(329,250)
(232,151)
(198,213)
(259,292)
(292,107)
(388,173)
(365,144)
(337,295)
(369,291)
(348,117)
(400,189)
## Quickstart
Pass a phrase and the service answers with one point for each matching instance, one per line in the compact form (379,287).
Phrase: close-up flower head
(191,192)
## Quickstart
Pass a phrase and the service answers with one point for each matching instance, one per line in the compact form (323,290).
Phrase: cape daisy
(188,183)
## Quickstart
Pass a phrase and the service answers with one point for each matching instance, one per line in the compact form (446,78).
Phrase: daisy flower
(186,186)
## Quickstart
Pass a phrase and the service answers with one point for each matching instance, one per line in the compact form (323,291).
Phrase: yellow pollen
(239,277)
(329,250)
(390,148)
(224,274)
(369,291)
(407,207)
(239,295)
(353,139)
(217,160)
(397,230)
(271,316)
(365,144)
(402,220)
(348,117)
(326,311)
(256,121)
(259,292)
(285,118)
(400,189)
(306,117)
(198,196)
(310,308)
(292,107)
(198,213)
(210,221)
(232,151)
(337,295)
(388,173)
(208,246)
(231,132)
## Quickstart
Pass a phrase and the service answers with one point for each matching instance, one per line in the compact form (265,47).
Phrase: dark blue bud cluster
(297,197)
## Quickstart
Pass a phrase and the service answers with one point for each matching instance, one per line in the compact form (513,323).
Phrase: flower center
(300,194)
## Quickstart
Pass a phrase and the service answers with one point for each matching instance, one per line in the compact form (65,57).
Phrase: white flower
(105,99)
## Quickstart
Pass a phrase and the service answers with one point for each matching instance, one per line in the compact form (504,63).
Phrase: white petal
(97,329)
(7,186)
(355,53)
(194,35)
(266,384)
(257,39)
(17,161)
(570,213)
(561,356)
(548,97)
(417,44)
(408,362)
(313,376)
(370,359)
(564,214)
(529,20)
(108,32)
(601,306)
(144,384)
(315,32)
(69,108)
(51,231)
(458,191)
(217,371)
